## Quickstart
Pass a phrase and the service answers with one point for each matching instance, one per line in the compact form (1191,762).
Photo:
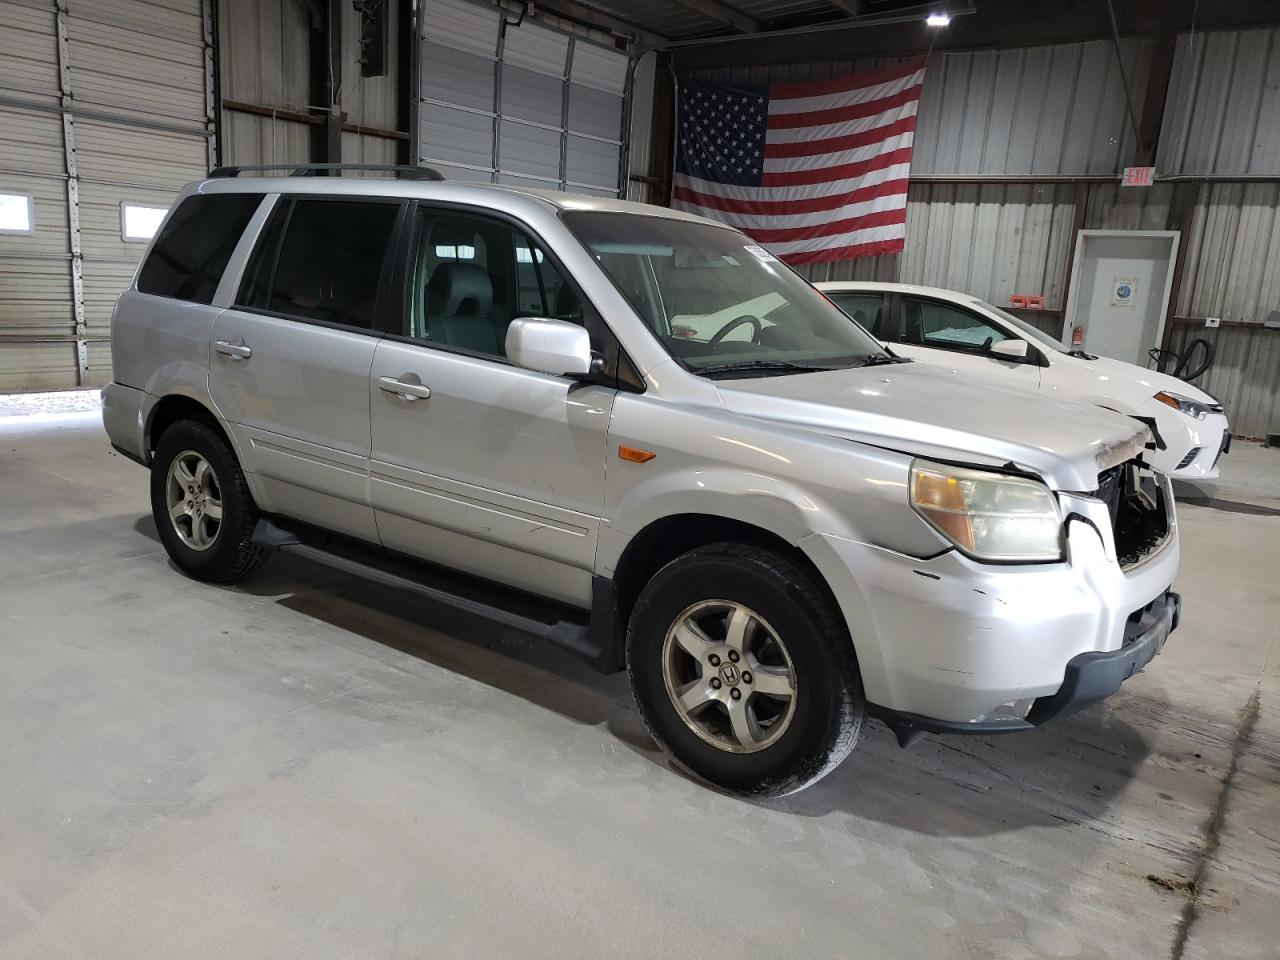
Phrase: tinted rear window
(195,244)
(329,264)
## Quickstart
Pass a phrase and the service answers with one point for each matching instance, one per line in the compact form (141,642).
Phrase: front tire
(201,504)
(743,669)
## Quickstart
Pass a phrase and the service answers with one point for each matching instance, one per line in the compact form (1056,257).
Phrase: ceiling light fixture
(937,20)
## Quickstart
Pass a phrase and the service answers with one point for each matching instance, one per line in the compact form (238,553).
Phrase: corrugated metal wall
(1223,112)
(264,58)
(101,104)
(1043,111)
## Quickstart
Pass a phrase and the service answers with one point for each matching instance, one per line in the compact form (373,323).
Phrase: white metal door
(1120,291)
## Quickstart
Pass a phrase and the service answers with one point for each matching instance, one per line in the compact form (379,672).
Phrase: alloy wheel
(194,500)
(729,676)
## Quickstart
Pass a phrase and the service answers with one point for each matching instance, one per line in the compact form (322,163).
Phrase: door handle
(236,351)
(406,391)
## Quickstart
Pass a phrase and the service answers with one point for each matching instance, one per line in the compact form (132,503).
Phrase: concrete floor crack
(1212,831)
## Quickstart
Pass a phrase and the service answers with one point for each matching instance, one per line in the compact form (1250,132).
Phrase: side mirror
(549,346)
(1010,349)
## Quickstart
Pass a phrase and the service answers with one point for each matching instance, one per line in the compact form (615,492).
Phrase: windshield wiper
(879,359)
(764,366)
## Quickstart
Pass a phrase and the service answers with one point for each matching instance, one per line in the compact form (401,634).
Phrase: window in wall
(16,213)
(192,250)
(328,263)
(140,221)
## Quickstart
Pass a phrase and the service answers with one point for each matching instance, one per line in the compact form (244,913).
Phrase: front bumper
(1089,678)
(973,646)
(1192,447)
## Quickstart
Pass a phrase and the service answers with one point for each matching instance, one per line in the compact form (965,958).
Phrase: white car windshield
(1035,335)
(718,302)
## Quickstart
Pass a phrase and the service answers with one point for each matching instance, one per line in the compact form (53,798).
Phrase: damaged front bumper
(1089,678)
(951,644)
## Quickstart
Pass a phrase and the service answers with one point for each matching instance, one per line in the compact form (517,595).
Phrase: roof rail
(402,171)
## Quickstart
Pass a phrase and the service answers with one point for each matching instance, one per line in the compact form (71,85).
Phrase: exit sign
(1138,176)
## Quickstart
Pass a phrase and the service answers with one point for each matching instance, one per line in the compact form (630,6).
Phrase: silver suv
(635,433)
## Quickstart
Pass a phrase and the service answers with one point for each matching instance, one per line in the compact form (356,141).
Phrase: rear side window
(865,307)
(195,244)
(321,260)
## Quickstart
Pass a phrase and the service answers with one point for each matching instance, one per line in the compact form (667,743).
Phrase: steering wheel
(734,324)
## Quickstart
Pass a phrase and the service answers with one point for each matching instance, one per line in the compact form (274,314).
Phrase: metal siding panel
(461,25)
(1223,113)
(455,136)
(600,68)
(595,112)
(592,162)
(532,96)
(536,49)
(1245,376)
(358,148)
(35,297)
(30,144)
(529,151)
(113,68)
(28,51)
(265,54)
(1229,270)
(155,160)
(251,139)
(456,76)
(37,366)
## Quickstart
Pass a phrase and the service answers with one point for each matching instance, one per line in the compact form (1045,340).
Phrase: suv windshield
(718,302)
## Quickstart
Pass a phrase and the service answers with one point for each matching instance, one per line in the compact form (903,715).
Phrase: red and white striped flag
(814,171)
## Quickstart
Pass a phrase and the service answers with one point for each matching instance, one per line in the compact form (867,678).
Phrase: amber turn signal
(635,454)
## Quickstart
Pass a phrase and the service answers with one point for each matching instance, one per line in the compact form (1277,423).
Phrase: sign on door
(1123,290)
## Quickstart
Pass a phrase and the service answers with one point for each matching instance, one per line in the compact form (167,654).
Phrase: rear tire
(743,669)
(201,504)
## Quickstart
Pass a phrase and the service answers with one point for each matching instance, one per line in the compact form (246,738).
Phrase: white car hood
(924,411)
(1126,383)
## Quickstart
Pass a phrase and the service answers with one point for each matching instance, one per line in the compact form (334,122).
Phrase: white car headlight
(990,516)
(1192,408)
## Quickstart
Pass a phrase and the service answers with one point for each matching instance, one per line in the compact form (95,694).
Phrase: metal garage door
(104,114)
(518,103)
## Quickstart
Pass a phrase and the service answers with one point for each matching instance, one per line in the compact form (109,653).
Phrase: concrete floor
(311,767)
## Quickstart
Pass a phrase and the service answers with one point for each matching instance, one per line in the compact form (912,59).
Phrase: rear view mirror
(549,346)
(1010,349)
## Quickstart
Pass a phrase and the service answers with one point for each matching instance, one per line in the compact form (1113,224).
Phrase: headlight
(1192,408)
(990,516)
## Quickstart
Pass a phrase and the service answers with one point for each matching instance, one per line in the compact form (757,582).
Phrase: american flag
(813,171)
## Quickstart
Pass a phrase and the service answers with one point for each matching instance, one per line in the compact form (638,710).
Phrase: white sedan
(975,339)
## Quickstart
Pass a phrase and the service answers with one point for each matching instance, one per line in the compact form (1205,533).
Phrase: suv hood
(924,411)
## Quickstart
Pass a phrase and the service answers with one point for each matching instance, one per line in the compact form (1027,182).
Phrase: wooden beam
(722,13)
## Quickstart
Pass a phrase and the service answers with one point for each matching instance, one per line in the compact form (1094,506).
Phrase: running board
(598,641)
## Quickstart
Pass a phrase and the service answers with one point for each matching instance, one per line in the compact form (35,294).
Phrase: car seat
(458,300)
